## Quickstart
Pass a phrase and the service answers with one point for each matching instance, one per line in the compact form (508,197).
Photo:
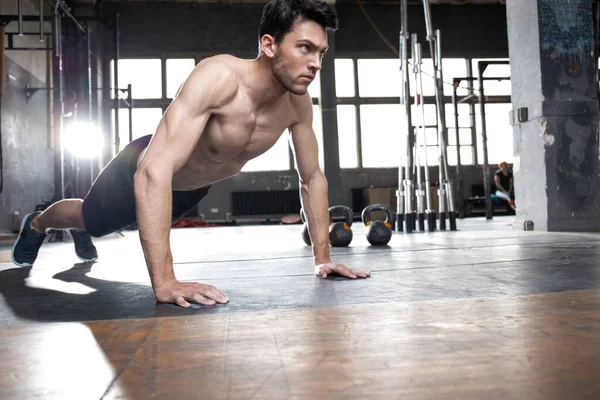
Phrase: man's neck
(265,89)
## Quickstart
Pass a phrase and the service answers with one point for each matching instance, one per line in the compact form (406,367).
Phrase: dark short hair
(278,16)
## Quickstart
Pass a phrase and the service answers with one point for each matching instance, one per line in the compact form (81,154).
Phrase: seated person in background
(503,178)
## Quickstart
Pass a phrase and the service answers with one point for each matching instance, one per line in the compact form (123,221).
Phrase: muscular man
(227,112)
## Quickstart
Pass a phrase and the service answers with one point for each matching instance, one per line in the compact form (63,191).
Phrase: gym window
(378,77)
(154,81)
(344,77)
(347,136)
(427,75)
(454,68)
(499,133)
(177,70)
(429,115)
(144,75)
(364,125)
(493,88)
(144,122)
(465,134)
(380,134)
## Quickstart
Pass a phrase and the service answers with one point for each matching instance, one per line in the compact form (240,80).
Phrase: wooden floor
(484,313)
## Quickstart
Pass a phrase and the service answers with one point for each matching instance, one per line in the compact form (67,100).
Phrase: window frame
(357,101)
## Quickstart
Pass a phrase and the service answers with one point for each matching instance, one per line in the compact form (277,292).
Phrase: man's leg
(108,206)
(64,214)
(506,198)
(68,214)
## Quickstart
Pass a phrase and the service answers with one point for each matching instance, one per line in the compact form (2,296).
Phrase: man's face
(297,58)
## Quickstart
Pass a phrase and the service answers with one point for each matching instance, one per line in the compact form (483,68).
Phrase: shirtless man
(227,112)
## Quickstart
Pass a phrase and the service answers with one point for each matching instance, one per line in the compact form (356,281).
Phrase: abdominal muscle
(199,173)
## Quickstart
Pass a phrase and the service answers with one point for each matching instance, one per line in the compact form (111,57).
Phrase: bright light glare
(83,139)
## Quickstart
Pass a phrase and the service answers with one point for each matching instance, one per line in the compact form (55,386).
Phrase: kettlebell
(379,233)
(340,233)
(305,234)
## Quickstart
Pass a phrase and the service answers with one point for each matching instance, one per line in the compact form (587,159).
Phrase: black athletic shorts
(109,205)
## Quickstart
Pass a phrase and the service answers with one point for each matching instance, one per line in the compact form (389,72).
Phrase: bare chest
(231,138)
(240,134)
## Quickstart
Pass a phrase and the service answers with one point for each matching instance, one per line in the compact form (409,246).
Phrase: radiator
(266,202)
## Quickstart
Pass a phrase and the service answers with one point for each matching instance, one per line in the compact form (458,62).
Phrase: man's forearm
(316,209)
(153,208)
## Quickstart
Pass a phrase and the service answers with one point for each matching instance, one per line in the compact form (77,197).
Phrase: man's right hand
(181,292)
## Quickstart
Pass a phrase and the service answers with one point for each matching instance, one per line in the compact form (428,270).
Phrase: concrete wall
(32,61)
(27,156)
(554,79)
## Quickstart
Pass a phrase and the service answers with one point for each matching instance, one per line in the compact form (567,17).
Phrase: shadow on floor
(72,295)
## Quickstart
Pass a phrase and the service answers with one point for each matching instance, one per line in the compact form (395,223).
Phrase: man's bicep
(177,135)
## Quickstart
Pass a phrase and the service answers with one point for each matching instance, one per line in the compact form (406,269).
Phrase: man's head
(293,34)
(503,167)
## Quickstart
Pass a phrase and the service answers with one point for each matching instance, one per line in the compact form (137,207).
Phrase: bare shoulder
(302,108)
(214,79)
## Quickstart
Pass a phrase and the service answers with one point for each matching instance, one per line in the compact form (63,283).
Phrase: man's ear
(268,45)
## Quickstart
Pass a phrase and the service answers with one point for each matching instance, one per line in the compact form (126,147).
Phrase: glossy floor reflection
(486,312)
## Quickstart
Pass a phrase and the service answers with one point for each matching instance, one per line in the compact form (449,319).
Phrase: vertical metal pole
(58,108)
(431,224)
(357,112)
(1,93)
(90,91)
(89,71)
(19,17)
(444,131)
(596,9)
(481,65)
(2,30)
(458,159)
(41,15)
(472,114)
(130,109)
(420,131)
(117,102)
(403,203)
(441,115)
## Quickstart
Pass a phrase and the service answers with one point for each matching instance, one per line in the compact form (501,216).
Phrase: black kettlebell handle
(346,211)
(377,207)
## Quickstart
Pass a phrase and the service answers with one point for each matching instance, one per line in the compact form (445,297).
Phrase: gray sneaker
(28,243)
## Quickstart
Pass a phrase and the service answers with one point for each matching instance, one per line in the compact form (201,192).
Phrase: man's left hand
(323,270)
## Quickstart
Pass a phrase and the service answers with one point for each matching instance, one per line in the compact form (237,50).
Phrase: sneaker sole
(12,254)
(87,259)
